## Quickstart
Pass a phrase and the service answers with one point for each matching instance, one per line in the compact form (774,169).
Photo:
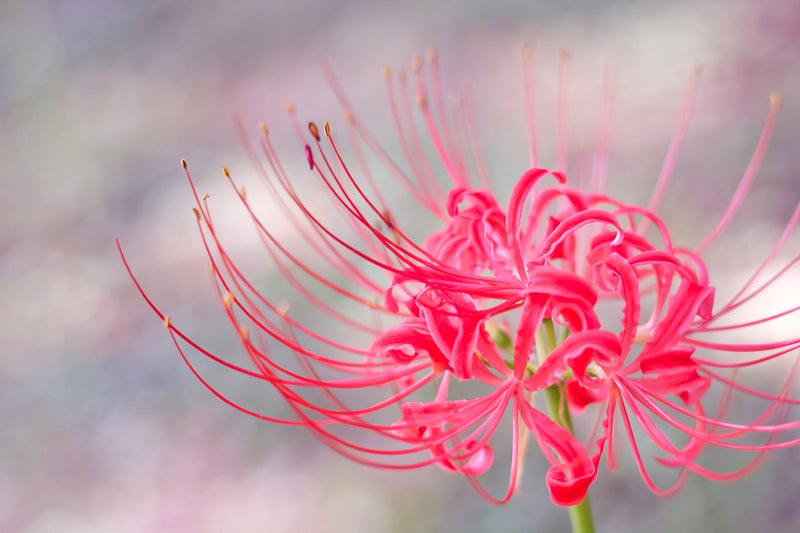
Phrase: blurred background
(103,428)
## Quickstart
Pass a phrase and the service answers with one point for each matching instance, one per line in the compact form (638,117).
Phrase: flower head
(507,317)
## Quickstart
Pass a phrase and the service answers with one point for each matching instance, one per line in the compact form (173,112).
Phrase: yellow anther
(228,300)
(432,55)
(314,130)
(282,309)
(527,51)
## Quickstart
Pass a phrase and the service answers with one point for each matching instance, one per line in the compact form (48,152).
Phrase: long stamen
(747,179)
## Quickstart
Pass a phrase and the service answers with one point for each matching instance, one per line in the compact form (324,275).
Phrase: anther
(327,128)
(197,213)
(416,64)
(225,171)
(264,130)
(228,300)
(183,164)
(282,309)
(389,219)
(775,100)
(167,322)
(310,157)
(387,71)
(290,108)
(204,197)
(527,51)
(314,130)
(432,55)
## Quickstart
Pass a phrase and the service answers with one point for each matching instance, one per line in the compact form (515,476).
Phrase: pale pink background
(102,428)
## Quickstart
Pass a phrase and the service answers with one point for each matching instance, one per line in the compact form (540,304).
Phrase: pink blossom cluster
(504,319)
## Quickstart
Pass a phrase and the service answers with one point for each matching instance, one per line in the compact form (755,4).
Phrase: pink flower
(563,292)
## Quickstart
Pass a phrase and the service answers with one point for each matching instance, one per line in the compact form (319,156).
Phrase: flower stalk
(580,515)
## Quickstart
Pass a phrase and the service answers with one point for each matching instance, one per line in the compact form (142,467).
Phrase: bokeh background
(102,427)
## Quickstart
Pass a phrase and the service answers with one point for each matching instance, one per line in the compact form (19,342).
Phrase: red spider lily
(497,305)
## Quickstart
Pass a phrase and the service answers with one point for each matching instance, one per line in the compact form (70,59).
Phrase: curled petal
(407,342)
(572,469)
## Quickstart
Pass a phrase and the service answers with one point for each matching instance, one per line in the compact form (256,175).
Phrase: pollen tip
(432,55)
(387,71)
(204,197)
(389,219)
(228,300)
(183,164)
(312,127)
(282,309)
(226,172)
(527,50)
(416,64)
(264,130)
(290,108)
(327,128)
(310,157)
(774,100)
(167,322)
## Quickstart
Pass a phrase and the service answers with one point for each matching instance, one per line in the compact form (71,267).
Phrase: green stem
(580,516)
